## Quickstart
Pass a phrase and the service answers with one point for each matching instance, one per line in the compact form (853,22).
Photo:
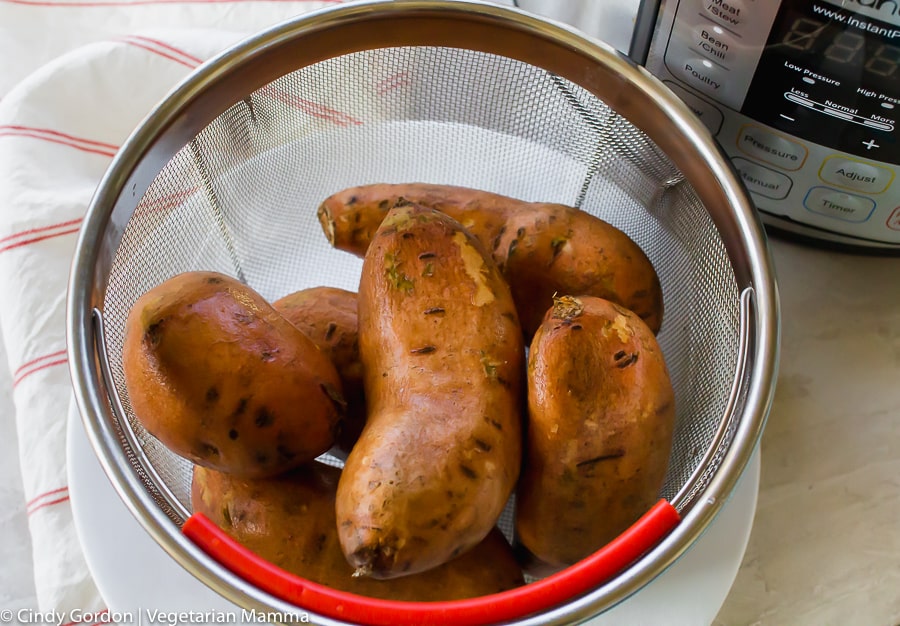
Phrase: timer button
(763,181)
(839,205)
(857,175)
(771,148)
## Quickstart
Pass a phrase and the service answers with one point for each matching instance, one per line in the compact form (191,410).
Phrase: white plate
(139,581)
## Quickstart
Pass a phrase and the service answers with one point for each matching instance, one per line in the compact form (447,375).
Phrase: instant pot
(802,95)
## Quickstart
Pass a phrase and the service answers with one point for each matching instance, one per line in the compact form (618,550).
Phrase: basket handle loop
(541,595)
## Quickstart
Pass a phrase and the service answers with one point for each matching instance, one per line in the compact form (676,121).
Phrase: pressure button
(856,175)
(771,148)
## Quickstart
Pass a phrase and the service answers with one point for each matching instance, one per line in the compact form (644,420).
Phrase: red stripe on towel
(53,136)
(25,242)
(312,108)
(45,494)
(46,504)
(163,50)
(37,369)
(13,128)
(38,360)
(40,229)
(166,46)
(46,499)
(394,81)
(170,201)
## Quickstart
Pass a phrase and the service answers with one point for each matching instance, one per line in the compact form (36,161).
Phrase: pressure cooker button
(701,74)
(711,117)
(763,181)
(714,42)
(729,13)
(854,174)
(771,148)
(893,220)
(839,205)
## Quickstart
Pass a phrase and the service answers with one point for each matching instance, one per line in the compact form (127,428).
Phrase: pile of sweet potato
(422,384)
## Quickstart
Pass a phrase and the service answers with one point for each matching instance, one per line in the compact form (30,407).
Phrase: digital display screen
(831,76)
(853,48)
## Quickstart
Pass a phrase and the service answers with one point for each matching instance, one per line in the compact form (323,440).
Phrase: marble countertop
(825,543)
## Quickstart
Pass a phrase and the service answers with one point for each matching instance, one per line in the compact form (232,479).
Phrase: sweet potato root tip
(290,521)
(327,222)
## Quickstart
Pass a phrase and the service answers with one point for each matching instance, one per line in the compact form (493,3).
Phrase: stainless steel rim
(488,28)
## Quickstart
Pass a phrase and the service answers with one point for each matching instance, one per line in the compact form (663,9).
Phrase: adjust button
(771,148)
(839,205)
(763,181)
(854,174)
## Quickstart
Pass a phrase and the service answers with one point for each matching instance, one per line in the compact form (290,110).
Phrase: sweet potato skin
(220,378)
(541,248)
(289,520)
(443,360)
(328,316)
(601,413)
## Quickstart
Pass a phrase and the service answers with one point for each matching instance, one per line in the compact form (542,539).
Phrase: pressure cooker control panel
(803,95)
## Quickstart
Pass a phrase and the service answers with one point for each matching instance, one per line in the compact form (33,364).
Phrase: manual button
(762,180)
(853,174)
(771,148)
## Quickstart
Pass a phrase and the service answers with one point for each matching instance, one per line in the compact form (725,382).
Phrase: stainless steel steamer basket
(226,173)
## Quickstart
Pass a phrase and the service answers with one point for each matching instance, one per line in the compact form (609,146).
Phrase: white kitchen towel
(76,77)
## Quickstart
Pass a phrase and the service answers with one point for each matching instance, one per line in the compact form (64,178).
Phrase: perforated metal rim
(214,86)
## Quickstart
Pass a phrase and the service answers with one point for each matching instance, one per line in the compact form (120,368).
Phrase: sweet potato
(601,412)
(327,315)
(289,520)
(222,379)
(443,361)
(541,248)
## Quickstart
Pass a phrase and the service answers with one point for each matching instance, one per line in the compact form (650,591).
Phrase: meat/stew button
(853,174)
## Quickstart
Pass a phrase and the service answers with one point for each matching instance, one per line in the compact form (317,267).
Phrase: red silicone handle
(543,594)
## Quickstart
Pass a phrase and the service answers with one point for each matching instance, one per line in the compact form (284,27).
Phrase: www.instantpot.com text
(860,24)
(147,617)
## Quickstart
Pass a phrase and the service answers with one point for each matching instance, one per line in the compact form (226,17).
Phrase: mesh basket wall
(241,198)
